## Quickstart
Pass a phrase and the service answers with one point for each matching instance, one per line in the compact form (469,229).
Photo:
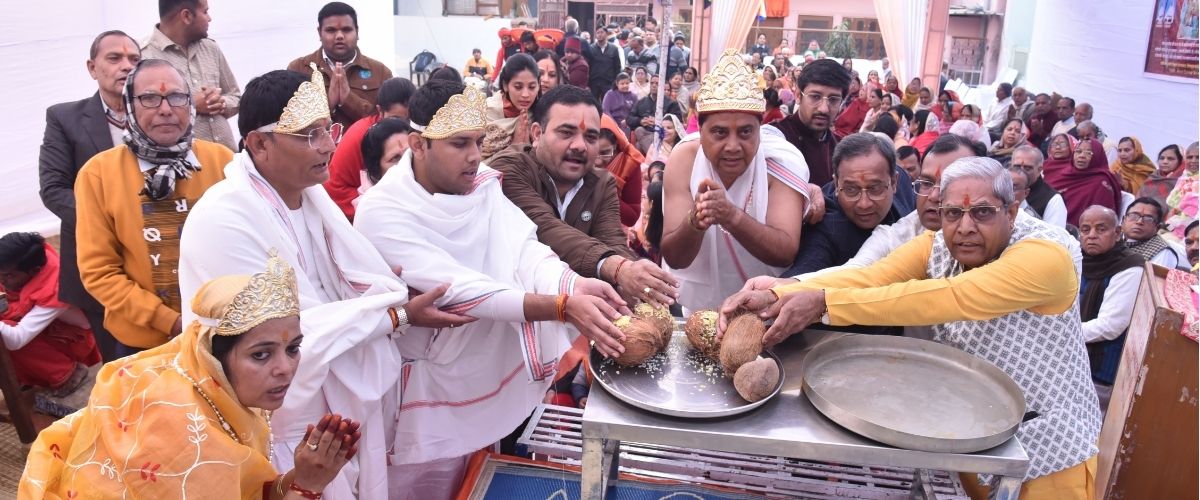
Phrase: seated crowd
(438,260)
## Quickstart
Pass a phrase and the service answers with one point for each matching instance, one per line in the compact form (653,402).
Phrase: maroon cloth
(923,141)
(49,359)
(851,118)
(1039,134)
(772,116)
(1094,185)
(577,72)
(816,146)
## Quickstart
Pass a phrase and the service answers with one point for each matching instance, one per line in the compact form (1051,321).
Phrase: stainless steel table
(787,426)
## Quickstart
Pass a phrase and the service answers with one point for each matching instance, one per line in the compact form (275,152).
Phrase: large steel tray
(913,393)
(678,382)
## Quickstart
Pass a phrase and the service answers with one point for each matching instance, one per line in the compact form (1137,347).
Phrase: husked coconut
(641,340)
(701,330)
(660,317)
(742,342)
(757,379)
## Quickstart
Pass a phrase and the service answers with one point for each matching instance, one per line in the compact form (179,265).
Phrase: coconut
(743,341)
(701,330)
(757,379)
(641,340)
(660,317)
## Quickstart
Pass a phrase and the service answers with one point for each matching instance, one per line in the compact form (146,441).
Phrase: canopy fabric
(902,25)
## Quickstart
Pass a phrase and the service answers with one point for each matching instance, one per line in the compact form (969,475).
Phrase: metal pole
(663,60)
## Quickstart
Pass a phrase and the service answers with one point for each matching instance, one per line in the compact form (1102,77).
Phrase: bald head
(1099,230)
(1101,213)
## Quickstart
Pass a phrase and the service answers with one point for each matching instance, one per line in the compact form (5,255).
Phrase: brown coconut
(701,330)
(660,317)
(641,340)
(742,342)
(757,379)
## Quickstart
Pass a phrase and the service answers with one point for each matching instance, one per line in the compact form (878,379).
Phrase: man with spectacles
(1043,201)
(1109,285)
(865,185)
(822,86)
(75,132)
(354,306)
(132,201)
(1141,223)
(993,282)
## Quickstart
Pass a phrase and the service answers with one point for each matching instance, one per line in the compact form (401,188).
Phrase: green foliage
(841,44)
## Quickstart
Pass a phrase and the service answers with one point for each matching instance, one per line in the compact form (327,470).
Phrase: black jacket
(603,65)
(75,131)
(645,107)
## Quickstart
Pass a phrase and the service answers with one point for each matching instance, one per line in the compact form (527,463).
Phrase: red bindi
(966,201)
(582,126)
(162,87)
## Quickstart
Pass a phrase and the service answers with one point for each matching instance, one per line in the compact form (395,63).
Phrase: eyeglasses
(175,100)
(875,192)
(924,188)
(814,99)
(317,136)
(981,214)
(1140,218)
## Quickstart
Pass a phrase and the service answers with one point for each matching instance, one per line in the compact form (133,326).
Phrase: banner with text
(1174,47)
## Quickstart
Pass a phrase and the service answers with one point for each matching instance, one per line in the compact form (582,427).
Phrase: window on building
(868,41)
(966,59)
(812,28)
(503,8)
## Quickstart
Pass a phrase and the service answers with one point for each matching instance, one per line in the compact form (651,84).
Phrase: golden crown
(730,86)
(306,106)
(268,295)
(463,112)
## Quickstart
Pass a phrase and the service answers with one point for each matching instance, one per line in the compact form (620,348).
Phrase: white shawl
(723,265)
(463,387)
(349,364)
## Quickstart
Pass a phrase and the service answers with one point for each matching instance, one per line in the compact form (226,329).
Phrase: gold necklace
(220,418)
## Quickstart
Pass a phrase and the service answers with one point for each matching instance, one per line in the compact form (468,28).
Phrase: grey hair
(982,168)
(571,26)
(1088,124)
(1038,157)
(863,144)
(1089,108)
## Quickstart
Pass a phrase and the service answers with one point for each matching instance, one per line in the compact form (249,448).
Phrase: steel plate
(679,382)
(913,393)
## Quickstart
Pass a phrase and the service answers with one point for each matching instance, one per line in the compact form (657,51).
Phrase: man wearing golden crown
(441,214)
(735,198)
(353,303)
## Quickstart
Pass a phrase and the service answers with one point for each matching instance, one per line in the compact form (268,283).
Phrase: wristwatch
(825,315)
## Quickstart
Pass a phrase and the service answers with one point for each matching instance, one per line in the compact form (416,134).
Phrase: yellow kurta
(1034,274)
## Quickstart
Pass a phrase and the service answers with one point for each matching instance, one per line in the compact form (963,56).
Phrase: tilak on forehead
(162,87)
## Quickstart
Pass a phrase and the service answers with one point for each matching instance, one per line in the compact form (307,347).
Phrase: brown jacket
(591,229)
(365,75)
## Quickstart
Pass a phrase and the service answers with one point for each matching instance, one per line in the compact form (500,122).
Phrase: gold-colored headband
(268,295)
(730,86)
(306,106)
(462,113)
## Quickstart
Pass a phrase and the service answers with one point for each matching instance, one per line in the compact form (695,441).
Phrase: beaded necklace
(221,418)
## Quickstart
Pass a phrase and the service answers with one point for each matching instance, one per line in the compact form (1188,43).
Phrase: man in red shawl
(50,341)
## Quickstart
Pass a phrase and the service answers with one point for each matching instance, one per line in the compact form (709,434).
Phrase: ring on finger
(311,446)
(646,290)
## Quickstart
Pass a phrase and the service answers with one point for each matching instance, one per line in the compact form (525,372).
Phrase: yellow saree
(150,432)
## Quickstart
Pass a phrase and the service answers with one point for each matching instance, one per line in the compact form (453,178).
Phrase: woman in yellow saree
(191,418)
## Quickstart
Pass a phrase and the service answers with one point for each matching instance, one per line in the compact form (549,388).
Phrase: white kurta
(723,265)
(465,388)
(349,363)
